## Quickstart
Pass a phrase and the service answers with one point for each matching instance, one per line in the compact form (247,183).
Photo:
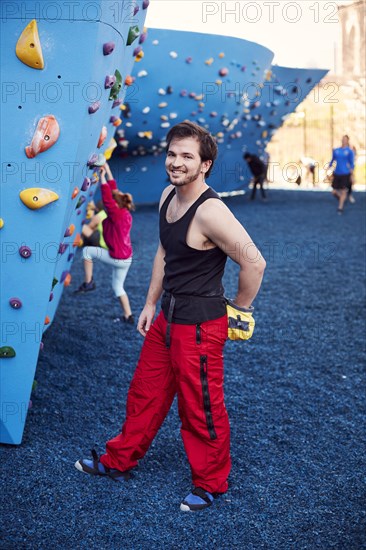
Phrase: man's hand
(146,318)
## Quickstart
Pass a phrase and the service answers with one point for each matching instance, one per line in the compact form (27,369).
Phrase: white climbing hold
(174,55)
(146,110)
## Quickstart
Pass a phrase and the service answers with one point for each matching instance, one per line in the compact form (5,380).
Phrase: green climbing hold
(6,352)
(117,86)
(54,282)
(133,33)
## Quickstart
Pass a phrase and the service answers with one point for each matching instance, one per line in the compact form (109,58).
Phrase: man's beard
(186,181)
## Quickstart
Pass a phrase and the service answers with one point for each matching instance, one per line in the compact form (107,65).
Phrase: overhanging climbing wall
(225,84)
(63,72)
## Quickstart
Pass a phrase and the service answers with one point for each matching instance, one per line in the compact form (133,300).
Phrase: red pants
(193,368)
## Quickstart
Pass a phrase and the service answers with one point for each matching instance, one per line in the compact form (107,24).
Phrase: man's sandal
(96,468)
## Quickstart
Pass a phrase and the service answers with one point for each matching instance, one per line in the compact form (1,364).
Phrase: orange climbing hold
(37,197)
(129,80)
(102,136)
(67,280)
(47,320)
(45,135)
(75,192)
(28,48)
(78,241)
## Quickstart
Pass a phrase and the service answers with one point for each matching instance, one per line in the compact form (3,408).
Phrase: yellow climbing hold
(28,48)
(218,82)
(36,197)
(221,55)
(264,134)
(1,223)
(111,147)
(209,61)
(139,56)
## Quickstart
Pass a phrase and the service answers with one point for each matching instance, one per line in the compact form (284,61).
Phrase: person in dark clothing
(258,169)
(183,348)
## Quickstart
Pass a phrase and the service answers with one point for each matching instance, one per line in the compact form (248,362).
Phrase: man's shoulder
(165,194)
(211,208)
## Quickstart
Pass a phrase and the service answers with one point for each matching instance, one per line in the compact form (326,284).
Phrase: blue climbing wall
(72,80)
(180,78)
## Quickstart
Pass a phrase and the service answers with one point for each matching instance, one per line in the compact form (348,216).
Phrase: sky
(304,33)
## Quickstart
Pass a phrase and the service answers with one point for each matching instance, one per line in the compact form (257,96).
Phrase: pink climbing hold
(108,48)
(94,107)
(183,93)
(145,4)
(110,81)
(224,71)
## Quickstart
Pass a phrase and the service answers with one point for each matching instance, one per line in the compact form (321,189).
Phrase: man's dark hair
(208,146)
(247,156)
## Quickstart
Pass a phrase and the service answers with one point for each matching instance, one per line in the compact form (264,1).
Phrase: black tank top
(193,277)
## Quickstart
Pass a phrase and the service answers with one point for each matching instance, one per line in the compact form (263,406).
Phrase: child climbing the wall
(116,232)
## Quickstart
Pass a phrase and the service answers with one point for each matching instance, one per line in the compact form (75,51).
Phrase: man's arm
(155,290)
(221,227)
(156,283)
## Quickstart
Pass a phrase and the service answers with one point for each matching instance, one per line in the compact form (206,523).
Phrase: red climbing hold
(45,135)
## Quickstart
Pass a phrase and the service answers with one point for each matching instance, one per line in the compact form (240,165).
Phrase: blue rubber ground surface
(295,395)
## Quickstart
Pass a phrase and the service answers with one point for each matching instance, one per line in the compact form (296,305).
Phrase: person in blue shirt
(344,159)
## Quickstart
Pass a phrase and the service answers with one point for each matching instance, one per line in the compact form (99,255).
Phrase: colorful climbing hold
(15,303)
(117,86)
(67,280)
(86,184)
(78,240)
(139,56)
(54,282)
(221,55)
(145,4)
(142,38)
(94,107)
(92,160)
(70,256)
(135,10)
(108,48)
(62,248)
(2,223)
(189,60)
(136,51)
(109,82)
(209,61)
(7,352)
(133,33)
(173,55)
(129,80)
(111,146)
(117,102)
(45,136)
(70,230)
(25,252)
(116,123)
(81,201)
(64,274)
(162,105)
(102,136)
(37,197)
(224,71)
(28,48)
(47,320)
(75,192)
(51,297)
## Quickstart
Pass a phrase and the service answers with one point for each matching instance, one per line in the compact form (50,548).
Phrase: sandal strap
(198,491)
(117,474)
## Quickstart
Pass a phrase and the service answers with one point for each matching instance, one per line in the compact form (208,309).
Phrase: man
(259,170)
(182,351)
(343,157)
